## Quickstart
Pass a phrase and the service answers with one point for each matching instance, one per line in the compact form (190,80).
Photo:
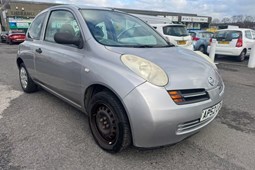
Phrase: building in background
(19,15)
(192,21)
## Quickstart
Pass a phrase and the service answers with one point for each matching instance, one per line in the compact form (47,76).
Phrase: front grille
(191,96)
(190,126)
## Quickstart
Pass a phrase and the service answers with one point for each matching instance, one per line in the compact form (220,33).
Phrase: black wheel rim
(105,123)
(242,55)
(201,49)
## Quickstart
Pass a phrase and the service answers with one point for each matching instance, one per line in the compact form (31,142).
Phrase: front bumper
(155,119)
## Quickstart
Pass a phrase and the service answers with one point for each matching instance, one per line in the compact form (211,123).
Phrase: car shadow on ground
(230,60)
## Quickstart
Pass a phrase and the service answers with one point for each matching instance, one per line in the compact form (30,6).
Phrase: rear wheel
(26,82)
(10,42)
(108,122)
(241,57)
(202,49)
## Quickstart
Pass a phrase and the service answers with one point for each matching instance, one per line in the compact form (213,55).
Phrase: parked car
(15,36)
(176,34)
(4,34)
(134,87)
(235,42)
(201,40)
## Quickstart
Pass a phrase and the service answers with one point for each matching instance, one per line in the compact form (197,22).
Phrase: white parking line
(7,94)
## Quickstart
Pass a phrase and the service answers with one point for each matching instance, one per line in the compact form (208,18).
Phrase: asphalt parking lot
(39,131)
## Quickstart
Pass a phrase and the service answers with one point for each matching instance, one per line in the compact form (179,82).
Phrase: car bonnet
(185,68)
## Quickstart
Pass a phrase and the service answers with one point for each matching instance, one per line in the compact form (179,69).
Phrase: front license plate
(210,112)
(181,42)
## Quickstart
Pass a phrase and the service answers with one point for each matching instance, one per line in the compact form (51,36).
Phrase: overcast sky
(214,8)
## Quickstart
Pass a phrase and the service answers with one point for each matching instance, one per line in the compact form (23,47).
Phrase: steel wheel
(108,122)
(241,57)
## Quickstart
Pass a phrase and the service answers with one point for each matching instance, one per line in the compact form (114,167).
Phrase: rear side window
(227,35)
(207,35)
(253,34)
(248,34)
(200,35)
(35,29)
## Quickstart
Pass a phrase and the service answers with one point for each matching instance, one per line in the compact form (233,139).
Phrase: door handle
(39,50)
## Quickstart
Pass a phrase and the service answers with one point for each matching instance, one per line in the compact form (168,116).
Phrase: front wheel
(108,122)
(26,82)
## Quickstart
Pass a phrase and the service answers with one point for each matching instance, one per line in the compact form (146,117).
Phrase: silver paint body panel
(67,72)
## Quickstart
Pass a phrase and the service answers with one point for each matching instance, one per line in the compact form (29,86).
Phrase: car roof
(77,7)
(81,7)
(235,29)
(200,31)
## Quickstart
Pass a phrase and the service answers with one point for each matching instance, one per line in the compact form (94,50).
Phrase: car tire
(26,82)
(108,122)
(202,49)
(241,57)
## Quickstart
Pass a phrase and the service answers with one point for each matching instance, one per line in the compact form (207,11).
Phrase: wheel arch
(19,61)
(95,88)
(245,49)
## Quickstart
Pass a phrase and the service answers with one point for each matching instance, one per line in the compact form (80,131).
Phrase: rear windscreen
(227,35)
(175,30)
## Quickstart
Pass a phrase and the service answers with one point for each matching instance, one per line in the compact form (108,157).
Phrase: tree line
(239,20)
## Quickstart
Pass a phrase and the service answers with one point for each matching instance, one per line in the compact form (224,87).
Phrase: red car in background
(15,36)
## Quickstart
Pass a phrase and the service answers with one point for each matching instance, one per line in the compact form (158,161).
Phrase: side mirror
(67,38)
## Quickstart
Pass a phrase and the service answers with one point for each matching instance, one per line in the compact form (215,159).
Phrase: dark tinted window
(228,35)
(175,30)
(35,29)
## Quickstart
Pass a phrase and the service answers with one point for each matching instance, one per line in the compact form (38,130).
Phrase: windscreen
(175,30)
(113,28)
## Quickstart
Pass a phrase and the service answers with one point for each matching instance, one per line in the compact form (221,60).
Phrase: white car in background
(176,34)
(234,42)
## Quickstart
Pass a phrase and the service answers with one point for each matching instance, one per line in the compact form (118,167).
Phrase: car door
(58,66)
(32,43)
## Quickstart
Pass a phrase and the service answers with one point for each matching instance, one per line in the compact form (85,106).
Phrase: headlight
(145,69)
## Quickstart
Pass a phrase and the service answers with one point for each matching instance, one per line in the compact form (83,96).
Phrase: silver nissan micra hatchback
(135,87)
